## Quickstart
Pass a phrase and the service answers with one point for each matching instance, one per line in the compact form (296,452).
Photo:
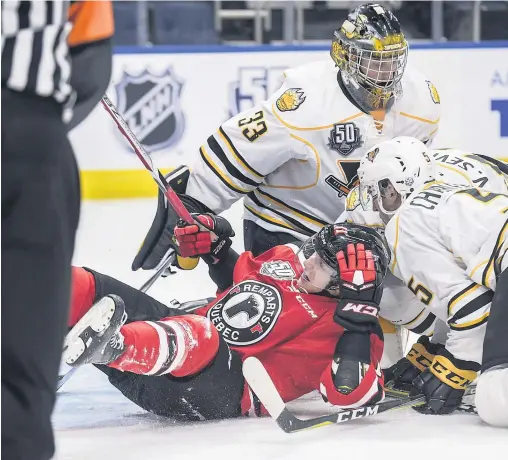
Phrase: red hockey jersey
(265,315)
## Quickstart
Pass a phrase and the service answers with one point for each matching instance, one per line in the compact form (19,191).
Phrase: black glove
(193,240)
(358,307)
(419,358)
(354,377)
(444,383)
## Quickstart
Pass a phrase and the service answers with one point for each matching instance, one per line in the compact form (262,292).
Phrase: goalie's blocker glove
(160,239)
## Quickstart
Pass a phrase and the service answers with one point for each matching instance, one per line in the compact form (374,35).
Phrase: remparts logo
(151,107)
(247,313)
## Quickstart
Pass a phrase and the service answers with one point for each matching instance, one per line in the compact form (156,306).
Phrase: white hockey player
(448,244)
(452,166)
(294,157)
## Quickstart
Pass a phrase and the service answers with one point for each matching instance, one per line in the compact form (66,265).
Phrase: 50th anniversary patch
(150,104)
(247,313)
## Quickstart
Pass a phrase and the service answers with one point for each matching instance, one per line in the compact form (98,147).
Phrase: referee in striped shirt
(40,210)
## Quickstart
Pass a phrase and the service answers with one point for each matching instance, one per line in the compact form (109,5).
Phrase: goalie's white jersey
(448,244)
(294,157)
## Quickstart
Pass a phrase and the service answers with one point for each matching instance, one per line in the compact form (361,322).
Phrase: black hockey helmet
(335,237)
(370,49)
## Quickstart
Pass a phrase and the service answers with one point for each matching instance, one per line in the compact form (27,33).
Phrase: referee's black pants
(40,212)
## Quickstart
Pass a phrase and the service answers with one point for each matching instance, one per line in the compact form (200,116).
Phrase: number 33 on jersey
(295,155)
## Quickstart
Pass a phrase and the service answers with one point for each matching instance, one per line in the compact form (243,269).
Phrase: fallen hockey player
(310,314)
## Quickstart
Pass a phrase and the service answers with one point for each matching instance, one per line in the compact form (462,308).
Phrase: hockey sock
(180,346)
(83,294)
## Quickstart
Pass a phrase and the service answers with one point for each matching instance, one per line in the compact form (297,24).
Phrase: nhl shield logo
(150,104)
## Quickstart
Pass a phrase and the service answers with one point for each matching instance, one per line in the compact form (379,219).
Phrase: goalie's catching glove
(444,383)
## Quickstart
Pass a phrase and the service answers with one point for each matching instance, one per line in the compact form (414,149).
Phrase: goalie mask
(318,256)
(391,171)
(371,52)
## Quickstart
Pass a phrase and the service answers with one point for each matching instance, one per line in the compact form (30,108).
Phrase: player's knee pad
(368,391)
(492,397)
(180,346)
(197,342)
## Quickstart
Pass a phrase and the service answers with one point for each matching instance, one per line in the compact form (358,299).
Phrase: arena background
(182,68)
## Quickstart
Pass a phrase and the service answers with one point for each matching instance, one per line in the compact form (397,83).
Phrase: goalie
(310,314)
(294,157)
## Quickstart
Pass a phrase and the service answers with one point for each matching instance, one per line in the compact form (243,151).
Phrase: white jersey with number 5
(448,244)
(399,305)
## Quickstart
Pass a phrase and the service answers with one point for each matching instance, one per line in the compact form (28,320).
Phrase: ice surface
(94,421)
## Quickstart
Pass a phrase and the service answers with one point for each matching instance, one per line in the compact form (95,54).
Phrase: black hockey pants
(214,393)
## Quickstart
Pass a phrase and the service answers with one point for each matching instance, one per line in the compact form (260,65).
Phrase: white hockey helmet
(391,171)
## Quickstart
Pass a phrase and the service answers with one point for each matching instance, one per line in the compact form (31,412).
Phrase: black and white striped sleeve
(35,54)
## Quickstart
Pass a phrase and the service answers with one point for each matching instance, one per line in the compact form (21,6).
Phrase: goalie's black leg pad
(258,240)
(138,305)
(214,393)
(495,344)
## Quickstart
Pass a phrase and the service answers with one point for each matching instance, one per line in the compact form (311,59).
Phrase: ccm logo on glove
(361,308)
(419,358)
(445,371)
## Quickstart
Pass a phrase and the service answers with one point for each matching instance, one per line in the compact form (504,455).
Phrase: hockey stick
(262,385)
(159,179)
(464,407)
(62,378)
(173,199)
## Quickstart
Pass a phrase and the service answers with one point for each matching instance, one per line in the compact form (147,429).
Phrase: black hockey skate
(96,337)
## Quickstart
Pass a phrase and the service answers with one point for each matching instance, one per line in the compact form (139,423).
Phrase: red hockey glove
(193,241)
(360,289)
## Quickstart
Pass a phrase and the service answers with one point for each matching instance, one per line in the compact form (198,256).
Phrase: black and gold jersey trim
(302,228)
(220,154)
(269,219)
(315,220)
(223,179)
(425,324)
(476,304)
(237,153)
(495,254)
